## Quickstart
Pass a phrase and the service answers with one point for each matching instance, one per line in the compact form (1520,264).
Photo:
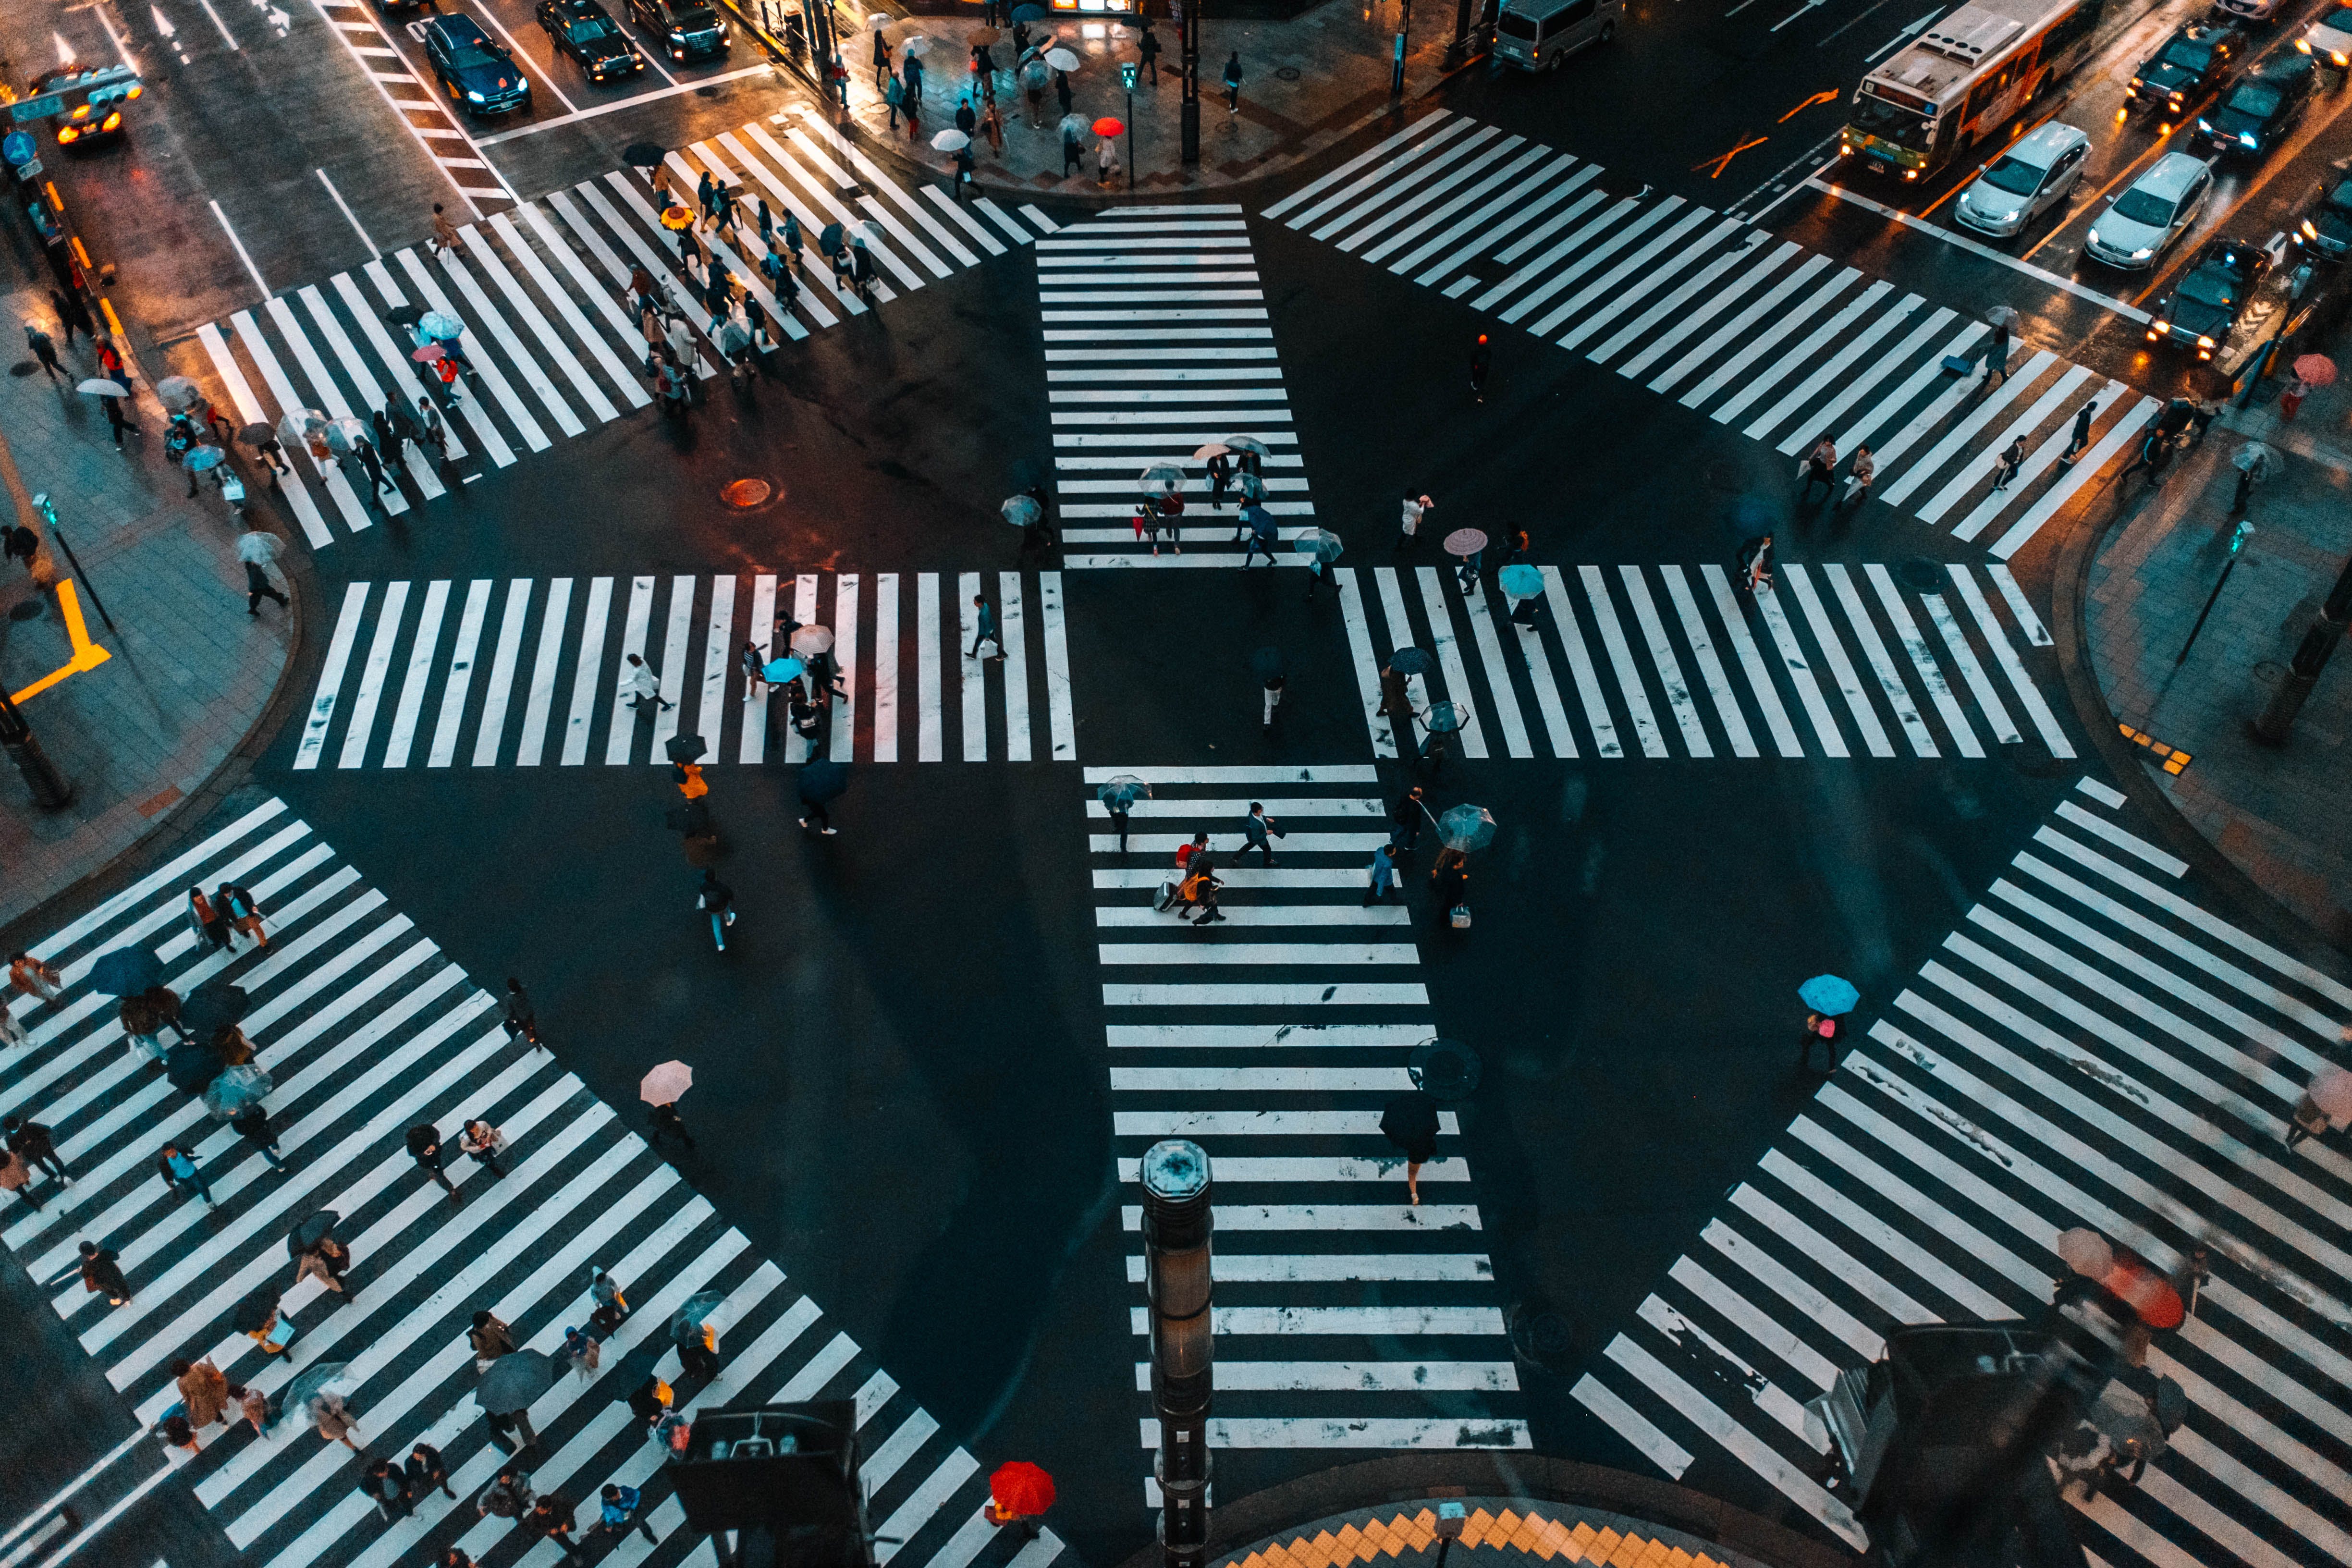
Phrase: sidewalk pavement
(1306,84)
(2276,812)
(190,675)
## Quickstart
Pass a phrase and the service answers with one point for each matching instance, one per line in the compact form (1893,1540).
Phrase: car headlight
(2203,125)
(2303,44)
(2343,60)
(473,97)
(2248,139)
(2310,230)
(677,37)
(2143,253)
(2204,342)
(2092,237)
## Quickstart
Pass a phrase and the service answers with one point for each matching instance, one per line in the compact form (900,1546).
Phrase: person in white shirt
(1415,506)
(640,683)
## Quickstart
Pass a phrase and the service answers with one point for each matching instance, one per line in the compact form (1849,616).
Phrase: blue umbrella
(126,972)
(1260,520)
(1520,582)
(200,458)
(1030,13)
(1412,661)
(782,669)
(441,324)
(1828,994)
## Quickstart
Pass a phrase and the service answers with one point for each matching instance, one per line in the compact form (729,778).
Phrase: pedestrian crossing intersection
(1781,343)
(532,673)
(367,1028)
(542,286)
(1346,1317)
(1832,660)
(2093,1047)
(1157,344)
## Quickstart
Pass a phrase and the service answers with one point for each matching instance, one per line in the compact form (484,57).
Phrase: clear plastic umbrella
(1074,125)
(696,1311)
(200,458)
(1160,475)
(1062,59)
(441,324)
(1020,510)
(1444,718)
(950,140)
(809,641)
(1320,542)
(2255,459)
(306,1385)
(236,1087)
(344,435)
(178,394)
(2001,316)
(1246,444)
(1123,789)
(1251,485)
(297,426)
(1465,828)
(917,45)
(99,386)
(877,20)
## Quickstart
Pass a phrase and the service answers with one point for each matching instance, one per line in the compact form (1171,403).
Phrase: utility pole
(1176,1236)
(1127,72)
(49,787)
(2310,657)
(2238,537)
(1188,38)
(1404,26)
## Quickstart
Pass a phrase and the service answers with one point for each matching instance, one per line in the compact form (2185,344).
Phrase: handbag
(1460,919)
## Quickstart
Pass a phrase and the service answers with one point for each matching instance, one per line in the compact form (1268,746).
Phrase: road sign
(17,148)
(39,108)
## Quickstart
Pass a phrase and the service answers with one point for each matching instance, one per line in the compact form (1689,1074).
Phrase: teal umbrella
(1320,542)
(1828,994)
(1520,582)
(1465,828)
(782,669)
(227,1095)
(1124,790)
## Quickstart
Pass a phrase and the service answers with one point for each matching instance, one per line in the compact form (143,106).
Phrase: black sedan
(477,73)
(2205,303)
(2193,62)
(689,29)
(2261,110)
(583,29)
(2324,227)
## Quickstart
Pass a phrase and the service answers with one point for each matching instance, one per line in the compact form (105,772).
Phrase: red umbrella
(1021,1488)
(1108,126)
(2314,370)
(2145,1291)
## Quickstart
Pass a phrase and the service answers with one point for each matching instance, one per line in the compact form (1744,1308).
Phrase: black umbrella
(514,1381)
(828,239)
(685,748)
(1030,13)
(638,1368)
(126,971)
(404,315)
(822,780)
(1411,1123)
(1448,1070)
(642,155)
(212,1008)
(691,818)
(191,1066)
(254,1310)
(1412,661)
(1268,662)
(310,1231)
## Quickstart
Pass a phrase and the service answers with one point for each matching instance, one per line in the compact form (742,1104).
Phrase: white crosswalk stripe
(365,1029)
(1278,1059)
(403,684)
(1665,292)
(1158,344)
(1599,644)
(2092,1047)
(542,287)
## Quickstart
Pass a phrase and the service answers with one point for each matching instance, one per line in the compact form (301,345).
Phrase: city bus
(1962,79)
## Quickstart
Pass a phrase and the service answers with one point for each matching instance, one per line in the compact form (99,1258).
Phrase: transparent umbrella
(1320,542)
(1444,717)
(203,458)
(1123,789)
(178,394)
(1245,444)
(1465,828)
(227,1095)
(306,1385)
(297,426)
(1074,125)
(1020,510)
(1251,485)
(1062,59)
(441,324)
(344,435)
(1160,475)
(951,140)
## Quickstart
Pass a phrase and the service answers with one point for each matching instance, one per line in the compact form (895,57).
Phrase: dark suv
(2193,62)
(688,29)
(2324,227)
(583,29)
(2211,296)
(2261,111)
(478,73)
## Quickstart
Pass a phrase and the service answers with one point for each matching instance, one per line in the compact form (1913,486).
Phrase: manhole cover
(745,494)
(1447,1069)
(1922,576)
(1286,73)
(1541,1336)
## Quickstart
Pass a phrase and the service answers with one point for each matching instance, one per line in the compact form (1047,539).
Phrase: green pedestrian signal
(1126,75)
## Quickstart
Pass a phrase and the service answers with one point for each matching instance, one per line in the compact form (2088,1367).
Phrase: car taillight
(67,134)
(111,121)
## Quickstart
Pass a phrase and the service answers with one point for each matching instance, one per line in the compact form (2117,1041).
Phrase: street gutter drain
(745,494)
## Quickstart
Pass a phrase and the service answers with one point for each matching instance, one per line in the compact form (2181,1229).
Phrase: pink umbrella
(428,354)
(666,1083)
(2331,1091)
(1464,543)
(2314,370)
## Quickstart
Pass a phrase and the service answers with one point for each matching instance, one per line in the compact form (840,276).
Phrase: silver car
(2034,176)
(2155,211)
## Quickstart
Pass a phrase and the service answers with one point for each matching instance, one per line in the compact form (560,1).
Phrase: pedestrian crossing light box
(790,1468)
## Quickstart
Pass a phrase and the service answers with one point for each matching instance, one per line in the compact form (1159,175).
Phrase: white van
(1538,35)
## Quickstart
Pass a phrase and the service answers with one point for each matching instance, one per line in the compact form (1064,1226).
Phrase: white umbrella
(1214,449)
(918,45)
(877,20)
(809,641)
(2085,1252)
(950,140)
(1062,59)
(99,386)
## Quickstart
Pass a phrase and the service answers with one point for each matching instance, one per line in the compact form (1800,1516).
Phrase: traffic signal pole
(1188,37)
(1176,1236)
(2311,656)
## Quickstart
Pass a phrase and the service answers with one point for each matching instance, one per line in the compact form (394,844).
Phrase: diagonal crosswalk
(1157,344)
(2093,1046)
(1671,662)
(532,673)
(367,1028)
(541,287)
(1761,335)
(1346,1317)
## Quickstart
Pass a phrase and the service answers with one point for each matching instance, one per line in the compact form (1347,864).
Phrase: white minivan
(1538,35)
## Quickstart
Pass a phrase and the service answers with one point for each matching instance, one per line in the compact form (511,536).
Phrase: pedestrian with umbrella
(1019,1493)
(660,1089)
(1409,1121)
(1441,721)
(2310,371)
(312,1263)
(2256,463)
(821,781)
(425,1147)
(2326,1101)
(1118,795)
(1262,534)
(1465,545)
(1830,999)
(1073,156)
(716,899)
(1449,876)
(252,1124)
(1381,876)
(695,1336)
(513,1382)
(257,1318)
(1522,587)
(1321,547)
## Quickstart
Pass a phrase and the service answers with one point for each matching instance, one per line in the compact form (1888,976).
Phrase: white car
(2156,210)
(2330,37)
(2032,177)
(2251,10)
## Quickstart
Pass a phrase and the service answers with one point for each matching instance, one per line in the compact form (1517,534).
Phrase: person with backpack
(236,904)
(717,900)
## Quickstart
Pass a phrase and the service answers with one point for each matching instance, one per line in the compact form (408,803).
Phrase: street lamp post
(1127,78)
(1404,26)
(1176,1237)
(49,787)
(2238,537)
(2310,657)
(1188,38)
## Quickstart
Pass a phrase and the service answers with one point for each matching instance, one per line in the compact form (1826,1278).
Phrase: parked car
(2259,111)
(1539,34)
(2330,37)
(2034,176)
(2193,62)
(2153,211)
(2324,226)
(2205,304)
(586,31)
(2251,10)
(478,73)
(689,29)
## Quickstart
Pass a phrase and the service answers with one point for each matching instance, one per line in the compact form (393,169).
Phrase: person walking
(313,1265)
(1820,469)
(1996,354)
(1147,52)
(445,238)
(2254,465)
(385,1484)
(427,1472)
(1482,360)
(1201,885)
(252,1124)
(101,1269)
(1449,876)
(511,1431)
(2308,1119)
(697,1351)
(1073,152)
(179,1171)
(2080,436)
(12,1029)
(1233,79)
(277,1333)
(425,1147)
(1263,535)
(1756,562)
(508,1495)
(581,1352)
(1859,475)
(44,347)
(619,1514)
(551,1517)
(334,1419)
(1220,472)
(36,1144)
(1405,818)
(2005,467)
(642,685)
(521,1017)
(992,124)
(252,1407)
(204,1390)
(433,436)
(1256,828)
(115,420)
(717,900)
(35,977)
(237,905)
(16,1176)
(206,922)
(1273,689)
(606,1293)
(1823,1028)
(490,1337)
(484,1142)
(1380,877)
(984,619)
(1416,506)
(257,548)
(1062,94)
(667,1124)
(881,60)
(73,316)
(1409,1122)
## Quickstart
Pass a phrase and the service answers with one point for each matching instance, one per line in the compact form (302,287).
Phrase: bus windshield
(1890,122)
